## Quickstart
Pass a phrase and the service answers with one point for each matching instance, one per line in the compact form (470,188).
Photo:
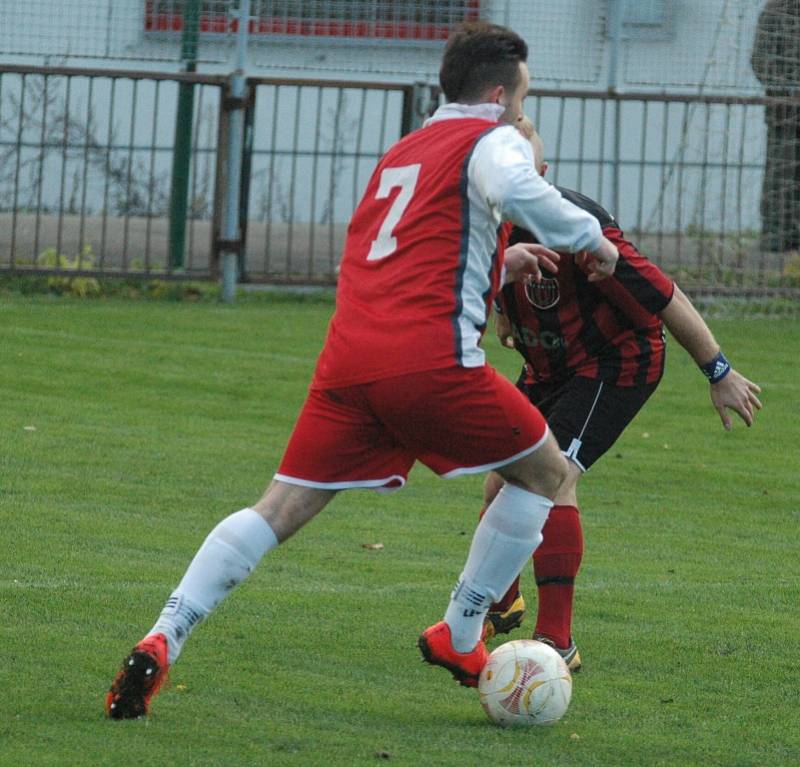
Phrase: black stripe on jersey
(464,245)
(646,357)
(589,205)
(609,357)
(550,322)
(651,299)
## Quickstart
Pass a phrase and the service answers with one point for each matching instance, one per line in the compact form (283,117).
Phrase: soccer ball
(525,682)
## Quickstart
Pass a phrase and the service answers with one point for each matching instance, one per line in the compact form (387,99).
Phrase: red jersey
(420,266)
(608,330)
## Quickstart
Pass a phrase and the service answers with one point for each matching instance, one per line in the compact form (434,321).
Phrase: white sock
(503,542)
(228,555)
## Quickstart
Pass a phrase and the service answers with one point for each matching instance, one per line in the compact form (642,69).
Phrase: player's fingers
(535,249)
(754,387)
(724,417)
(746,414)
(551,266)
(754,401)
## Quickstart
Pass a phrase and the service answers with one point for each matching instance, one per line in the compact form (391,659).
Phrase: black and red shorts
(586,415)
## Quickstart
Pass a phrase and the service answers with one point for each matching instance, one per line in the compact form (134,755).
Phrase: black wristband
(717,369)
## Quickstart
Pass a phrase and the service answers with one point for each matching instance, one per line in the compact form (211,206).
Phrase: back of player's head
(480,56)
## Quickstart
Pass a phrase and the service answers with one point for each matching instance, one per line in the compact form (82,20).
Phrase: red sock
(513,590)
(555,564)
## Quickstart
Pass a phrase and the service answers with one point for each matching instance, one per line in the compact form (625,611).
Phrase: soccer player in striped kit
(593,354)
(424,257)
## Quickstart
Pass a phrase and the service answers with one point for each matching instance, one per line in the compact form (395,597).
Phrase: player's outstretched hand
(601,263)
(737,393)
(502,326)
(525,259)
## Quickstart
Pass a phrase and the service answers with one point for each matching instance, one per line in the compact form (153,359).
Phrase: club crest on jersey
(544,294)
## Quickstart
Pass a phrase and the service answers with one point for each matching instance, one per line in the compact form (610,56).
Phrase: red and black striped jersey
(608,330)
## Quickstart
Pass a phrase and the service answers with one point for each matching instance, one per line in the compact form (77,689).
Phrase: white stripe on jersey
(483,220)
(502,184)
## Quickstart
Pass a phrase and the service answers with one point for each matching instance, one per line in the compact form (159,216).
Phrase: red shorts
(455,420)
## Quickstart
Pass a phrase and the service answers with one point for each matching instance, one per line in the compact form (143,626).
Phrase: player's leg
(329,434)
(556,564)
(587,417)
(228,555)
(504,539)
(508,612)
(489,425)
(231,552)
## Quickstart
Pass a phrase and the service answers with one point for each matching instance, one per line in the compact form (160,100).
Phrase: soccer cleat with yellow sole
(503,621)
(570,654)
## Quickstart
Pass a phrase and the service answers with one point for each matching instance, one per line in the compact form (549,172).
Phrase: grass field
(128,429)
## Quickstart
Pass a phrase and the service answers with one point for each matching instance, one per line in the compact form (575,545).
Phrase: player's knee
(567,490)
(542,472)
(554,475)
(491,487)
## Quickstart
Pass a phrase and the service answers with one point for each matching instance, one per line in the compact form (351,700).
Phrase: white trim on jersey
(502,184)
(454,111)
(497,464)
(366,484)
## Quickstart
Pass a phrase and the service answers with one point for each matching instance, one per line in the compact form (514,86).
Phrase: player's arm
(729,389)
(503,172)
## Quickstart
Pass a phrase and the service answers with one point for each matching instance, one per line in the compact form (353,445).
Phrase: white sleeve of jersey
(503,173)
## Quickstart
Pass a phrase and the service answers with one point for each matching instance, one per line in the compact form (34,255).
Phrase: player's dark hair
(479,56)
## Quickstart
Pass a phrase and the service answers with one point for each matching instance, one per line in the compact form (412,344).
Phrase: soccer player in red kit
(423,260)
(594,353)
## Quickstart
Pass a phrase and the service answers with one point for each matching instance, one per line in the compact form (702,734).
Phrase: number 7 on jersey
(406,178)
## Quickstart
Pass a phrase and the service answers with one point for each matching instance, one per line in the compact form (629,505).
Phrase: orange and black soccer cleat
(437,648)
(141,676)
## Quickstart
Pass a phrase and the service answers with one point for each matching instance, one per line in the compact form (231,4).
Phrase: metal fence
(85,170)
(86,162)
(703,45)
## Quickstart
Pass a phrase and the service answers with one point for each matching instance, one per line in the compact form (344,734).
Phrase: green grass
(153,420)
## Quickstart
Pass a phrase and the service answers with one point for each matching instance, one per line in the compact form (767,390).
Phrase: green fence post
(182,152)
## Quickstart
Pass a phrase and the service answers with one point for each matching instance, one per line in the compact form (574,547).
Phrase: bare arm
(733,391)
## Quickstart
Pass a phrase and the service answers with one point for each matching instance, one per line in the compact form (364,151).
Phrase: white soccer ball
(525,682)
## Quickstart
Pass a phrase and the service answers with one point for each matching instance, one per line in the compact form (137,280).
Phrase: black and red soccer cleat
(140,678)
(436,646)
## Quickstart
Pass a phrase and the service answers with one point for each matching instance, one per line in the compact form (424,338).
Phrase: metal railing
(314,147)
(86,163)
